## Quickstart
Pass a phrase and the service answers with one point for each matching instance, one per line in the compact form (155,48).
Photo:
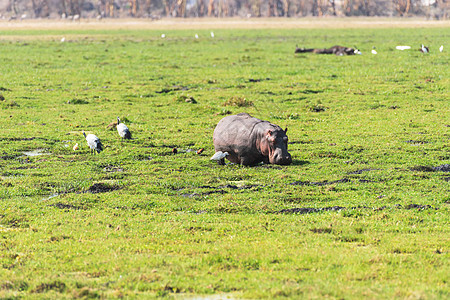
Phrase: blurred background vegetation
(154,9)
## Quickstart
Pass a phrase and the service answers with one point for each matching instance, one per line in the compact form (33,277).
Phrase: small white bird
(93,142)
(220,157)
(212,34)
(424,49)
(163,35)
(63,40)
(75,147)
(196,36)
(403,47)
(123,130)
(374,51)
(441,48)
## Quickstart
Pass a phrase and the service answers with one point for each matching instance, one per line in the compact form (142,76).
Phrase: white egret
(441,48)
(219,156)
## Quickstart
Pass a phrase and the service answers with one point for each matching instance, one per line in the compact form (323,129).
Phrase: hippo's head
(276,144)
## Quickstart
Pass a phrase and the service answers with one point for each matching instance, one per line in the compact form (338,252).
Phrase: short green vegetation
(363,211)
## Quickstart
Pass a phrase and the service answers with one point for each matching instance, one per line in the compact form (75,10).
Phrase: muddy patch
(414,142)
(218,189)
(441,168)
(8,157)
(45,287)
(257,79)
(362,171)
(320,183)
(309,210)
(309,91)
(417,206)
(66,206)
(193,195)
(102,188)
(142,157)
(17,139)
(110,168)
(172,89)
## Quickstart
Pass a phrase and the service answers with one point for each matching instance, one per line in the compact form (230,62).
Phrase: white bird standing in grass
(441,48)
(123,130)
(424,49)
(93,142)
(219,156)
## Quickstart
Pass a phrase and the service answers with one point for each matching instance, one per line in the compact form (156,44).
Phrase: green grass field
(363,211)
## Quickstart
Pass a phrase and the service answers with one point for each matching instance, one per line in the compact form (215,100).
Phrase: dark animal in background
(249,141)
(337,50)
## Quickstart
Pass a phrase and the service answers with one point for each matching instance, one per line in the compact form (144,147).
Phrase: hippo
(337,50)
(249,141)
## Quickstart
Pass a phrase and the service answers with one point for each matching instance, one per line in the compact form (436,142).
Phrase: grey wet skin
(249,141)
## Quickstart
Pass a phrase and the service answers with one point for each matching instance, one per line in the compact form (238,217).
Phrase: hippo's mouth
(287,160)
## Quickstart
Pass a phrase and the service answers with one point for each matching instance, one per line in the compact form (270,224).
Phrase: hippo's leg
(248,161)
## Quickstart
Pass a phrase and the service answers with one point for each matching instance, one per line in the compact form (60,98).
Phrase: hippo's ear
(285,131)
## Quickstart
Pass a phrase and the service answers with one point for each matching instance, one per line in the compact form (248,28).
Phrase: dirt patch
(172,89)
(18,139)
(321,230)
(102,188)
(257,79)
(66,206)
(441,168)
(56,286)
(321,183)
(110,168)
(362,171)
(413,142)
(309,210)
(217,190)
(418,207)
(8,157)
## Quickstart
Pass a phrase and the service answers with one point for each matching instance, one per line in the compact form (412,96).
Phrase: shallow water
(50,197)
(36,152)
